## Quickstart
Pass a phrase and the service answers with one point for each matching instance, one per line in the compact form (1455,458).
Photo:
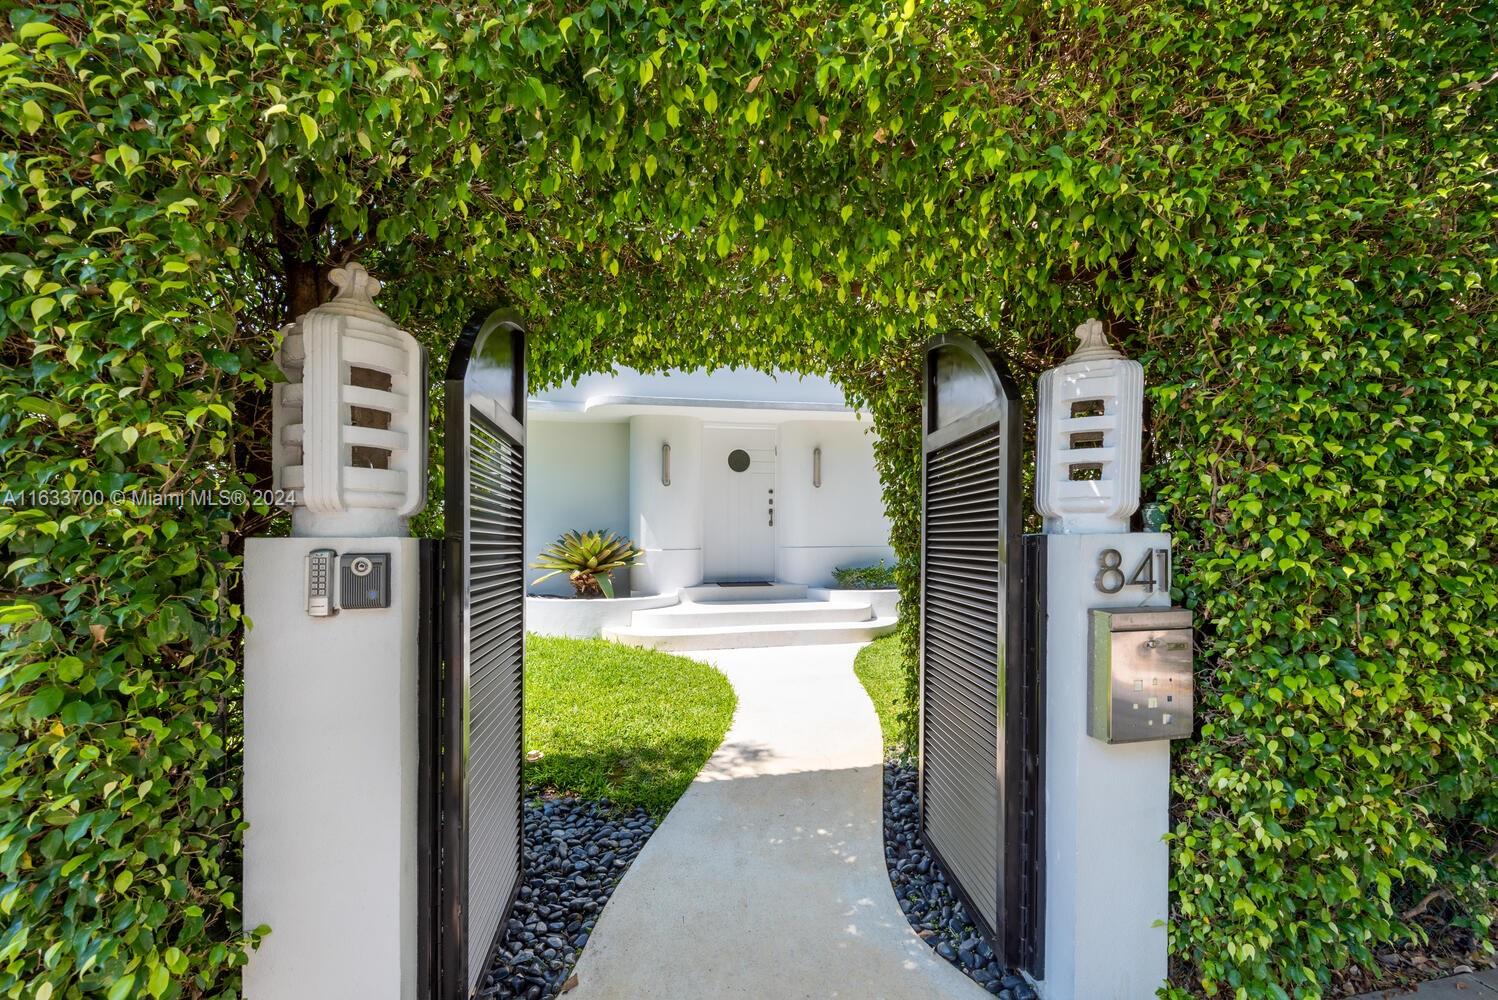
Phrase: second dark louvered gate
(979,707)
(474,814)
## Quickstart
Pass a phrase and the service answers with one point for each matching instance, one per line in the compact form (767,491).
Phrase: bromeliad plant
(588,558)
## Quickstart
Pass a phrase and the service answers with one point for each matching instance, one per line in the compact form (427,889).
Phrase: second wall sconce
(816,467)
(665,465)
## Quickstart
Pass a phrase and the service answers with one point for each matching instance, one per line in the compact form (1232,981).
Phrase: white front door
(738,497)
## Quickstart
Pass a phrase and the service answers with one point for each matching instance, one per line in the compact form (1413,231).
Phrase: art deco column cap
(355,296)
(1092,344)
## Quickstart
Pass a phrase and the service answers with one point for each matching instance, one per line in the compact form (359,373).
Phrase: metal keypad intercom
(1140,679)
(320,583)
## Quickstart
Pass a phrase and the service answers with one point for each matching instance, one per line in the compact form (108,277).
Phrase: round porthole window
(738,460)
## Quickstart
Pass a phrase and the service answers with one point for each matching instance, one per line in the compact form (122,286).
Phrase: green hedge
(1286,209)
(878,576)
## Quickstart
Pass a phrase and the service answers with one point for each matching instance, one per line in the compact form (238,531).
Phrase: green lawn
(878,668)
(613,722)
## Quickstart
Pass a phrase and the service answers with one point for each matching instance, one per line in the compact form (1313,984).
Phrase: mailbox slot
(1140,679)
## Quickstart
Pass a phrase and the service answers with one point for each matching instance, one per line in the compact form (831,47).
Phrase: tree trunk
(306,284)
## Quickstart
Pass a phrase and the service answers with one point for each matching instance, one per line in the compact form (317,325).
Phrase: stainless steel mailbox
(1139,681)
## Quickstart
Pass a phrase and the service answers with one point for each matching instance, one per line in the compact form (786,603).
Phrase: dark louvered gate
(979,727)
(479,693)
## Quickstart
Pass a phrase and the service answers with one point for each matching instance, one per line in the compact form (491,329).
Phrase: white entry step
(740,616)
(718,614)
(738,592)
(746,636)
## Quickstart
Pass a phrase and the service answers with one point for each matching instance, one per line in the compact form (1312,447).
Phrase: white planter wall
(586,619)
(885,603)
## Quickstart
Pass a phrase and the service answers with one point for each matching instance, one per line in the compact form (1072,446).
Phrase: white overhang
(615,406)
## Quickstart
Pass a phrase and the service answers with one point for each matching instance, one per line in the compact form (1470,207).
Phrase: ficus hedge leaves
(1284,207)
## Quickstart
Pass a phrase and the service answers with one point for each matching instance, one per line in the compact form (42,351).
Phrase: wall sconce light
(665,465)
(816,467)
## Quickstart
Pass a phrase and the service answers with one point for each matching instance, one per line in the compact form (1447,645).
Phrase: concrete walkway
(767,879)
(1471,986)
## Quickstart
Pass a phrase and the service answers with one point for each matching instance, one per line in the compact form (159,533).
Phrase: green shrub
(1285,209)
(877,577)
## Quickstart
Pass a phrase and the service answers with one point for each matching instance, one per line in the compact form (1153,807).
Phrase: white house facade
(723,477)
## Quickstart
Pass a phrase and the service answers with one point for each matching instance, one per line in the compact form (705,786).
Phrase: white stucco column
(330,779)
(1107,866)
(1107,805)
(665,518)
(331,662)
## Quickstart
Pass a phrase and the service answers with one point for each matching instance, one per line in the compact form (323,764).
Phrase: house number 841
(1152,573)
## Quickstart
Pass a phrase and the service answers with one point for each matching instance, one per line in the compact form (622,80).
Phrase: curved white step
(719,614)
(744,636)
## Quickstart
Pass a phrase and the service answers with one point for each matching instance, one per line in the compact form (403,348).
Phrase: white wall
(842,523)
(585,473)
(666,521)
(577,477)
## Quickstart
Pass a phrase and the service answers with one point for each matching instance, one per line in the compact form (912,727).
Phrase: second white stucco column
(1107,866)
(666,520)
